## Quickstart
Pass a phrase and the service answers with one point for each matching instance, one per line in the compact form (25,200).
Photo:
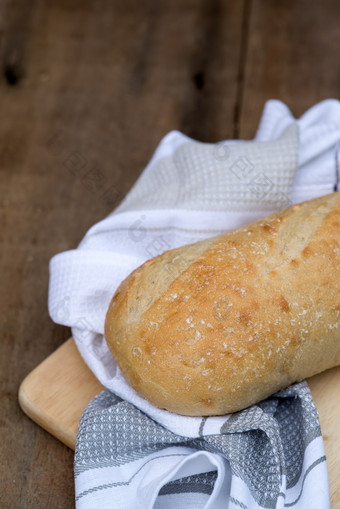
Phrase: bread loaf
(219,325)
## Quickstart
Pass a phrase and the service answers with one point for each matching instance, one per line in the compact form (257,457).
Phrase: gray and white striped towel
(270,455)
(129,453)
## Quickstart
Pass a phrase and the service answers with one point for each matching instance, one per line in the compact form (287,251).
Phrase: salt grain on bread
(219,325)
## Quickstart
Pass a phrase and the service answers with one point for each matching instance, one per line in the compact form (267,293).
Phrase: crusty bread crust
(219,325)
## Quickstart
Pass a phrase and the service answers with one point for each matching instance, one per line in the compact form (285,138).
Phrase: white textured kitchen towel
(189,191)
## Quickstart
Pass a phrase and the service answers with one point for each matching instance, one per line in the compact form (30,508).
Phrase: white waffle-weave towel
(190,191)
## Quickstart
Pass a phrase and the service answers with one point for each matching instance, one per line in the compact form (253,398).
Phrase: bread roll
(219,325)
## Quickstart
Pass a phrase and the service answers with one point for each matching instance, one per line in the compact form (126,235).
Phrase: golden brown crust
(216,326)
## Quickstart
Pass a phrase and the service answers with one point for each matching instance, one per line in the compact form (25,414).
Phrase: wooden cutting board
(56,392)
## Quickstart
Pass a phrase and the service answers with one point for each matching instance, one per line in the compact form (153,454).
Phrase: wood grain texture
(290,53)
(325,392)
(55,393)
(87,90)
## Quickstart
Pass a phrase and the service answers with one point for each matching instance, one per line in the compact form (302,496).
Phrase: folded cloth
(190,191)
(269,455)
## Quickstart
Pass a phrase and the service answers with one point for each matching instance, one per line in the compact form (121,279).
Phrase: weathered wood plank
(87,90)
(292,51)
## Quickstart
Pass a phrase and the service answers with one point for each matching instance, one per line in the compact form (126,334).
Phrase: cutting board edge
(37,415)
(41,408)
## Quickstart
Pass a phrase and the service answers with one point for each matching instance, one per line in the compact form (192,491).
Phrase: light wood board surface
(56,392)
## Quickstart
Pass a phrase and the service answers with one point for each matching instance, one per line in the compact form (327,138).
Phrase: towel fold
(190,191)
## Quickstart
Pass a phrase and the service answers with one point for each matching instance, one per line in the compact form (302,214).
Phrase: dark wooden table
(87,90)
